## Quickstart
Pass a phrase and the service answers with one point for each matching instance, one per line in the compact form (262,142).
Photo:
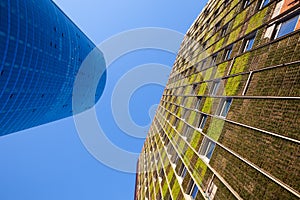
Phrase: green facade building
(228,124)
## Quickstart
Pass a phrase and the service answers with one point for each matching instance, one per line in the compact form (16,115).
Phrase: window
(226,2)
(224,30)
(192,189)
(208,22)
(185,114)
(285,27)
(204,45)
(206,149)
(214,88)
(213,60)
(246,3)
(248,42)
(216,12)
(228,52)
(182,171)
(194,86)
(224,107)
(263,3)
(203,64)
(211,191)
(176,122)
(198,101)
(187,132)
(202,121)
(217,26)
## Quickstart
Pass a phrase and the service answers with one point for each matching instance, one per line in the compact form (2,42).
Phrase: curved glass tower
(41,51)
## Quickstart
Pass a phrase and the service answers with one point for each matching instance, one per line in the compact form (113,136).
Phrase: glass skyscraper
(41,51)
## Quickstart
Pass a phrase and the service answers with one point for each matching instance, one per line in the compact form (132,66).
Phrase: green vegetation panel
(233,83)
(215,128)
(257,20)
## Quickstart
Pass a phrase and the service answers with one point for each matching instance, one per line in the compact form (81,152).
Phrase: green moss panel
(257,20)
(202,88)
(179,112)
(192,79)
(207,105)
(219,45)
(176,190)
(213,39)
(170,174)
(189,102)
(240,63)
(196,139)
(215,128)
(199,172)
(221,70)
(229,16)
(234,3)
(232,85)
(208,73)
(165,189)
(189,154)
(240,18)
(188,90)
(199,77)
(192,117)
(234,35)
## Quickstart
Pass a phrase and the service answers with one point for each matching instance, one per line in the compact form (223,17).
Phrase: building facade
(41,51)
(227,126)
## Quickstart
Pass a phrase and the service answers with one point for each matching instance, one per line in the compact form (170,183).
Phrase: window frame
(191,188)
(202,122)
(211,190)
(198,103)
(246,3)
(182,171)
(213,61)
(228,52)
(207,148)
(217,26)
(194,191)
(262,4)
(279,24)
(247,39)
(203,64)
(222,105)
(226,2)
(214,88)
(224,30)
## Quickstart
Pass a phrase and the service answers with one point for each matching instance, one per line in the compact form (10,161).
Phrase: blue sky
(50,162)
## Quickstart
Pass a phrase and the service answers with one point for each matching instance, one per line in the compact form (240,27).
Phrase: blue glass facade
(41,51)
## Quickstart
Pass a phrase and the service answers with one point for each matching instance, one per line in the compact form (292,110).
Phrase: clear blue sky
(50,162)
